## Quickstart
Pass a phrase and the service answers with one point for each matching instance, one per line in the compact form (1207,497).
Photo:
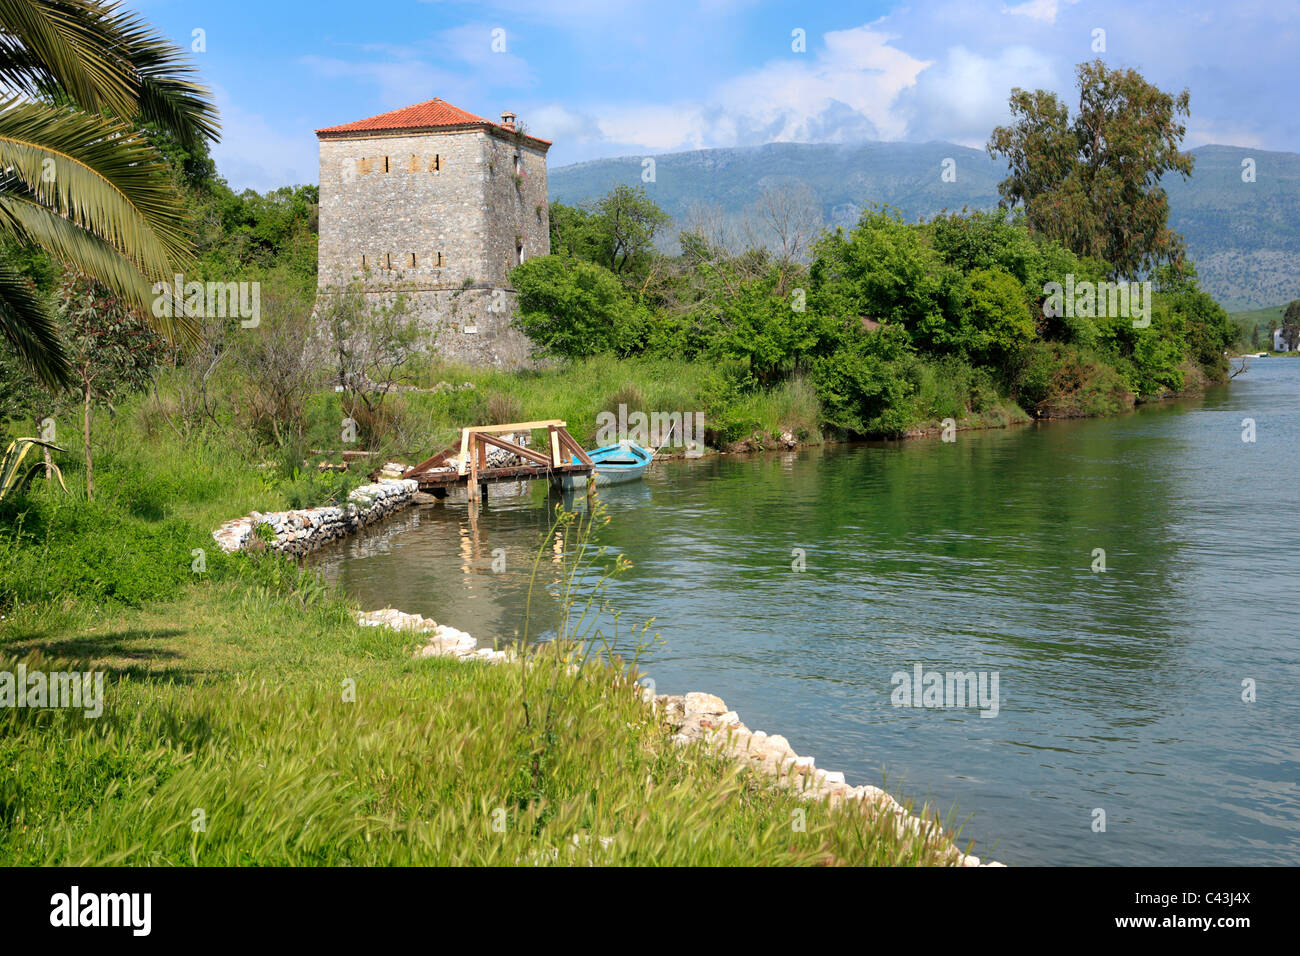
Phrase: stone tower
(439,204)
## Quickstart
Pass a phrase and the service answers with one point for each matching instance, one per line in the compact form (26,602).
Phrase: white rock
(704,704)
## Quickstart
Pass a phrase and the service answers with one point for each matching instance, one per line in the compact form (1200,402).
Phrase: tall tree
(629,220)
(77,80)
(113,352)
(1093,182)
(1291,325)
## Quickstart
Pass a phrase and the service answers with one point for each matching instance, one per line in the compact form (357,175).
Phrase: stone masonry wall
(298,532)
(411,208)
(460,195)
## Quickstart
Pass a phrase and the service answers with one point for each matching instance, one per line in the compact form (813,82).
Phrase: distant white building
(1279,341)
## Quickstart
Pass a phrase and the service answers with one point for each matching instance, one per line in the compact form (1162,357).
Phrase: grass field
(249,720)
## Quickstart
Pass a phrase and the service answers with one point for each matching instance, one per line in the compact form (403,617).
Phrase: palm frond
(100,175)
(86,74)
(146,63)
(28,222)
(128,67)
(27,323)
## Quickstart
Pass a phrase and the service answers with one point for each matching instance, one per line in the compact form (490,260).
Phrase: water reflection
(1120,689)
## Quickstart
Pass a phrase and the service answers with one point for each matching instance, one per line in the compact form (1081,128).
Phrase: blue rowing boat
(615,464)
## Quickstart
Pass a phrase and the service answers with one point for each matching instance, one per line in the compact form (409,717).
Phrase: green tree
(863,385)
(112,352)
(883,271)
(629,221)
(1291,324)
(1092,182)
(761,326)
(577,232)
(81,180)
(997,318)
(573,308)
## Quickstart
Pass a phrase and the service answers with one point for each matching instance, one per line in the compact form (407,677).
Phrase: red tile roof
(431,114)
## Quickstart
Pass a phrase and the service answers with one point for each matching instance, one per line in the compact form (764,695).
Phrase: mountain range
(1243,236)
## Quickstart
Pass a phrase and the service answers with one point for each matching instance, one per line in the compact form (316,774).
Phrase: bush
(997,316)
(574,309)
(864,385)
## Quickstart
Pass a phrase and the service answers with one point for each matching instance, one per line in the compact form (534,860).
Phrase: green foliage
(764,330)
(573,308)
(1092,183)
(51,548)
(864,386)
(114,353)
(997,317)
(314,488)
(1291,324)
(896,325)
(617,231)
(884,271)
(250,234)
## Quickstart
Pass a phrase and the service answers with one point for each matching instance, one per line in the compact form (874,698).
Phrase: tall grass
(244,727)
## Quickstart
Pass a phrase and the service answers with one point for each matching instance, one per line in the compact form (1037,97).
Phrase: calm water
(1119,690)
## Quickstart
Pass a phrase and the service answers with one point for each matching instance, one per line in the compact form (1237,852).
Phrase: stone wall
(518,213)
(300,531)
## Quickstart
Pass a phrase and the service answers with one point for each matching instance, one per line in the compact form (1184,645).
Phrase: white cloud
(846,90)
(257,154)
(858,68)
(963,97)
(1042,10)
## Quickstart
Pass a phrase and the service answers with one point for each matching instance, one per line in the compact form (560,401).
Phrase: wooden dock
(467,464)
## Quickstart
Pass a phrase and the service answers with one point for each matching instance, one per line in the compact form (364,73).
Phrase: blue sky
(607,78)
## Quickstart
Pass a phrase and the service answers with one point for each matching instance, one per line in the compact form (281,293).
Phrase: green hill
(1244,237)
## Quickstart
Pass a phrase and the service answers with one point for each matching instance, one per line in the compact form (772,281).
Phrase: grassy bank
(226,740)
(228,736)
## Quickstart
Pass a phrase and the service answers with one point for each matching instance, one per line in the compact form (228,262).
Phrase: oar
(655,451)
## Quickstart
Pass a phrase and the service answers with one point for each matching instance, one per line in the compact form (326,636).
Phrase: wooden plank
(464,451)
(557,459)
(518,426)
(519,450)
(578,449)
(438,459)
(472,491)
(440,480)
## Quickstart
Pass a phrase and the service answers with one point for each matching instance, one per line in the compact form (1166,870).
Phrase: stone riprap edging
(298,532)
(704,719)
(443,641)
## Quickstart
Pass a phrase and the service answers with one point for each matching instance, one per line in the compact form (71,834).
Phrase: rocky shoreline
(704,719)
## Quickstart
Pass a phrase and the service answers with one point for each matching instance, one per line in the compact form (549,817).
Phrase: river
(1119,690)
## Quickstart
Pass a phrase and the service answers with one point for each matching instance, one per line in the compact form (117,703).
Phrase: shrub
(864,386)
(572,308)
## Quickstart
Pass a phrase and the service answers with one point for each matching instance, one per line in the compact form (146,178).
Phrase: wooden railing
(475,440)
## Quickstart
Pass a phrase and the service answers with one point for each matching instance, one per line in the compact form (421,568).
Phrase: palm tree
(77,176)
